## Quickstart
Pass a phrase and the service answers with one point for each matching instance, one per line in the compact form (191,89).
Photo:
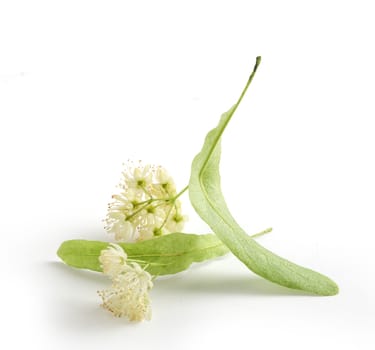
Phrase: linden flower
(123,230)
(147,205)
(177,222)
(128,294)
(139,177)
(112,260)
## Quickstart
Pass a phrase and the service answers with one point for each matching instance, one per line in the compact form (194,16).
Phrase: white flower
(133,195)
(124,230)
(147,205)
(165,182)
(176,223)
(150,225)
(139,177)
(128,295)
(112,260)
(122,202)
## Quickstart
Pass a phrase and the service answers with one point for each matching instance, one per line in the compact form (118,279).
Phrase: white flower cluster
(147,205)
(128,294)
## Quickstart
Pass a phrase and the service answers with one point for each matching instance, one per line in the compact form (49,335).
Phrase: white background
(86,85)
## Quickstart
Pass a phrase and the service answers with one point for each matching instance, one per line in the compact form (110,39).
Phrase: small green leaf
(162,256)
(208,201)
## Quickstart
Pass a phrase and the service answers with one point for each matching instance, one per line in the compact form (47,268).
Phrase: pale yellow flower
(112,260)
(128,295)
(147,205)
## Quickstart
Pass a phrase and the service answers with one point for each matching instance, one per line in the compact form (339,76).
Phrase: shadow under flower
(72,301)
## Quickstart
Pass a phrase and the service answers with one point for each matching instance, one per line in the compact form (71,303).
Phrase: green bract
(207,199)
(164,255)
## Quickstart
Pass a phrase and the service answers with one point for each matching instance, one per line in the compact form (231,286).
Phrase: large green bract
(164,255)
(207,199)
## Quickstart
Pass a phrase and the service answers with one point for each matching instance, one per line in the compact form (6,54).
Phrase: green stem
(139,210)
(145,190)
(230,112)
(268,230)
(173,201)
(142,262)
(151,200)
(166,218)
(144,204)
(180,193)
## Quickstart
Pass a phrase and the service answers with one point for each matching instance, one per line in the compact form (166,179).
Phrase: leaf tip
(64,250)
(334,289)
(60,251)
(330,288)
